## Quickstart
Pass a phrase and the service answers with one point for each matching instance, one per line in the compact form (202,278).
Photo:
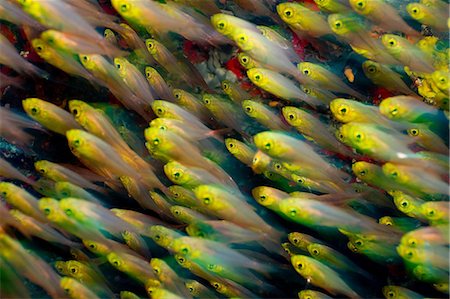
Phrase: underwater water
(224,149)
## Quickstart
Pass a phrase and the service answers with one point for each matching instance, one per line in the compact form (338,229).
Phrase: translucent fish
(227,204)
(199,290)
(332,6)
(428,15)
(287,149)
(278,85)
(427,139)
(98,155)
(94,215)
(191,177)
(128,295)
(382,75)
(309,125)
(140,221)
(310,294)
(316,214)
(240,150)
(303,20)
(248,62)
(133,266)
(158,84)
(302,241)
(76,44)
(413,177)
(263,114)
(137,243)
(324,78)
(436,212)
(384,14)
(183,196)
(315,272)
(164,236)
(355,31)
(229,25)
(181,68)
(12,59)
(404,224)
(22,200)
(436,257)
(138,191)
(161,18)
(49,115)
(67,189)
(192,104)
(426,236)
(407,204)
(234,91)
(64,61)
(75,289)
(169,277)
(9,171)
(134,79)
(20,259)
(60,173)
(12,13)
(32,227)
(194,131)
(392,291)
(187,215)
(407,54)
(110,78)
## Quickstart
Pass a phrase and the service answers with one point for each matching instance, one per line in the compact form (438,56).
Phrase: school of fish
(224,149)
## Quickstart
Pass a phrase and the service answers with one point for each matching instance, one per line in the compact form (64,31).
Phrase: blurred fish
(9,171)
(75,289)
(22,200)
(392,291)
(158,84)
(428,15)
(240,150)
(264,115)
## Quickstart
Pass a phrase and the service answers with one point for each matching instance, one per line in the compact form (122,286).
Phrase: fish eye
(361,4)
(216,285)
(178,95)
(74,270)
(160,111)
(359,136)
(155,141)
(300,180)
(248,109)
(118,66)
(39,49)
(415,10)
(262,198)
(191,289)
(412,242)
(388,223)
(177,175)
(372,69)
(404,203)
(77,142)
(116,263)
(69,212)
(394,174)
(391,294)
(431,212)
(337,24)
(278,166)
(343,110)
(207,101)
(206,200)
(244,59)
(225,85)
(268,145)
(92,246)
(184,250)
(257,77)
(42,170)
(288,13)
(157,237)
(150,45)
(392,42)
(47,211)
(221,24)
(300,265)
(75,112)
(307,90)
(394,111)
(85,58)
(231,144)
(293,212)
(156,270)
(442,79)
(291,116)
(181,260)
(177,212)
(306,72)
(34,110)
(125,7)
(414,132)
(362,172)
(242,38)
(67,291)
